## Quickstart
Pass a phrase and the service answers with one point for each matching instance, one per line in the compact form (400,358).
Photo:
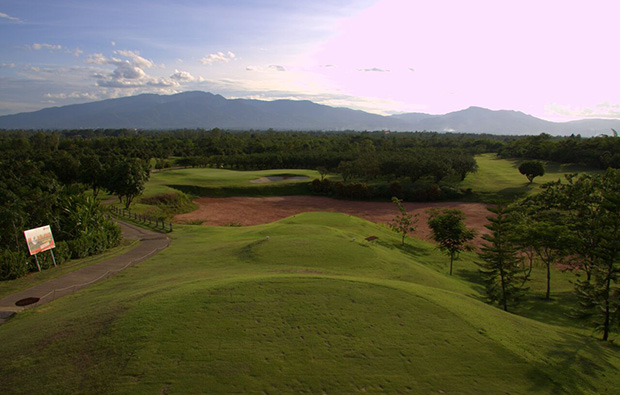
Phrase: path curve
(150,243)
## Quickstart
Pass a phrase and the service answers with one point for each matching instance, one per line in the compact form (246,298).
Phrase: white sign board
(39,239)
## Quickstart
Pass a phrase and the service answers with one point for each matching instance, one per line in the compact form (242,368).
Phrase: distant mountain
(206,110)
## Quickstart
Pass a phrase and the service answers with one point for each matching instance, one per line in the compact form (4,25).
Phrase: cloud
(277,67)
(130,72)
(272,67)
(7,65)
(185,76)
(51,47)
(76,52)
(218,57)
(72,95)
(10,18)
(138,60)
(374,70)
(602,110)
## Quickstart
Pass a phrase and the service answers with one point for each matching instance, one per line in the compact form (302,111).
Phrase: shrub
(12,265)
(80,247)
(62,252)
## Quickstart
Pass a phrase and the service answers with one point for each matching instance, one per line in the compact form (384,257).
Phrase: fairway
(313,308)
(499,179)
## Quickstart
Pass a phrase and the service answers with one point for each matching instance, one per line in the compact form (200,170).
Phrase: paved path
(150,244)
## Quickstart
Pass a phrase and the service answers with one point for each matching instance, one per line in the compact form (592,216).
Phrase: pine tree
(599,296)
(501,268)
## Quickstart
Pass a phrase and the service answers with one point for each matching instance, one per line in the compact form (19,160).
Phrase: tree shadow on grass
(556,311)
(573,365)
(407,248)
(473,277)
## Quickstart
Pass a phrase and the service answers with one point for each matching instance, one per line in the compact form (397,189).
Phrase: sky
(556,60)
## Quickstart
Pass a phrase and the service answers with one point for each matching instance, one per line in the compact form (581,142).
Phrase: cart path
(150,243)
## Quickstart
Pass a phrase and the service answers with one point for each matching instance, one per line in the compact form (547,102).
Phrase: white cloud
(7,65)
(138,60)
(10,18)
(113,43)
(76,52)
(185,76)
(130,73)
(277,67)
(218,57)
(72,95)
(271,67)
(602,110)
(374,70)
(51,47)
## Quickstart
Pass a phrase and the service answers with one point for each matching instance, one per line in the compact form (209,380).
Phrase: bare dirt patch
(247,211)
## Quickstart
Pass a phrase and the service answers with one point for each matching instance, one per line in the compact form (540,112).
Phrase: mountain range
(206,110)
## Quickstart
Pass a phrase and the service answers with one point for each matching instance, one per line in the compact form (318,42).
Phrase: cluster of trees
(600,152)
(575,223)
(43,183)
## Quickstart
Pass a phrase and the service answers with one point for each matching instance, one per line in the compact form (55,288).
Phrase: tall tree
(600,297)
(128,179)
(450,232)
(546,233)
(403,223)
(501,267)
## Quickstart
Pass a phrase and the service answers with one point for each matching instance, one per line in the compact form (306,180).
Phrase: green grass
(308,310)
(499,179)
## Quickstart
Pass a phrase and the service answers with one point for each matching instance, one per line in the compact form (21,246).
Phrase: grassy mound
(306,310)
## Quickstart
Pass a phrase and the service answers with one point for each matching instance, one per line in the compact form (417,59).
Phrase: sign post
(39,240)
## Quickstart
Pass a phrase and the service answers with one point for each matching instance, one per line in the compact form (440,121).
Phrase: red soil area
(254,211)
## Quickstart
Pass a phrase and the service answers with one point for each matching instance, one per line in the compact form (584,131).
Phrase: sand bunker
(255,211)
(278,178)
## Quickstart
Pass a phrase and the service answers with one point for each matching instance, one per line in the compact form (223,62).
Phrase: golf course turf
(302,305)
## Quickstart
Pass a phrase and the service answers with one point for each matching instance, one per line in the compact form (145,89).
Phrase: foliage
(599,293)
(403,223)
(501,267)
(127,179)
(449,231)
(13,264)
(599,152)
(532,169)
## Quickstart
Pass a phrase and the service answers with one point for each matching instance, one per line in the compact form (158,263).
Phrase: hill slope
(206,110)
(226,310)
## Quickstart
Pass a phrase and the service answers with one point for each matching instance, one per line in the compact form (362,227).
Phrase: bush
(12,265)
(80,247)
(62,252)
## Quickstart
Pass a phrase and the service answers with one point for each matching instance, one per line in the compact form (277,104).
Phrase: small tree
(346,170)
(403,223)
(546,233)
(501,268)
(450,232)
(322,171)
(532,169)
